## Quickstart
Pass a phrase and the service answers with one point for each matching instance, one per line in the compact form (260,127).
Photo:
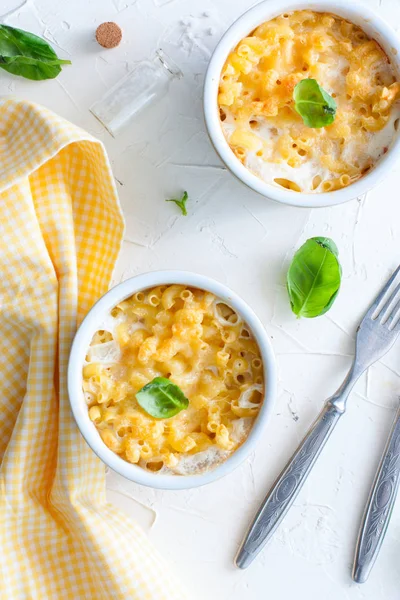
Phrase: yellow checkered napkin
(60,232)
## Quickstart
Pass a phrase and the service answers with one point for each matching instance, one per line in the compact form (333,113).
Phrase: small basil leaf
(181,203)
(25,54)
(313,278)
(316,107)
(161,398)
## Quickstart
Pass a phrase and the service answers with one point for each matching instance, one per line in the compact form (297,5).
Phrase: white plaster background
(246,241)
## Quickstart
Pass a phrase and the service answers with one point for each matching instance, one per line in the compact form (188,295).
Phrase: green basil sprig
(181,203)
(161,398)
(25,54)
(313,278)
(315,106)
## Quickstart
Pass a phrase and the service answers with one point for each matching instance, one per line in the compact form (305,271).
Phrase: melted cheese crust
(203,346)
(257,109)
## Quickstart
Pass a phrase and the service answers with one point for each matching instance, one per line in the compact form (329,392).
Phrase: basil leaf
(181,203)
(316,107)
(313,278)
(25,54)
(161,398)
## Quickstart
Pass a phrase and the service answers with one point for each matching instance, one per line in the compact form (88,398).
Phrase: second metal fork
(376,334)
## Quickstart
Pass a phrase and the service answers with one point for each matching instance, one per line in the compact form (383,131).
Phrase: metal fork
(379,506)
(376,334)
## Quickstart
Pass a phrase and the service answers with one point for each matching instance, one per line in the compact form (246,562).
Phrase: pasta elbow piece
(241,64)
(246,139)
(214,417)
(222,358)
(92,370)
(170,295)
(156,430)
(138,380)
(271,106)
(222,438)
(182,444)
(346,47)
(374,124)
(170,459)
(189,316)
(199,401)
(319,42)
(110,440)
(390,94)
(252,45)
(226,98)
(207,300)
(210,385)
(145,451)
(327,21)
(122,334)
(132,451)
(168,349)
(94,413)
(269,79)
(137,338)
(290,81)
(176,366)
(147,349)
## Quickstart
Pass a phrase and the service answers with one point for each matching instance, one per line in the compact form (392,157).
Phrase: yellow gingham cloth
(61,229)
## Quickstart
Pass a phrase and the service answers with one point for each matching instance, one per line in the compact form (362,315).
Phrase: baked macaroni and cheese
(261,119)
(173,380)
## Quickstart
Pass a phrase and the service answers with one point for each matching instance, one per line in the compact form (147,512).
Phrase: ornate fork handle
(287,486)
(379,506)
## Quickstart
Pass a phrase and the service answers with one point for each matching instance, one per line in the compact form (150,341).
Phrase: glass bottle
(146,84)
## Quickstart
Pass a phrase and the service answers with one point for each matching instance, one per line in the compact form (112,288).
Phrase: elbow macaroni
(202,345)
(257,111)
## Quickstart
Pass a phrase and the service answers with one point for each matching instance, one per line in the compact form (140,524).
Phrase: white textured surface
(245,241)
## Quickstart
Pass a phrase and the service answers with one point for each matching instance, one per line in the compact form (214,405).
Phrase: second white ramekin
(357,13)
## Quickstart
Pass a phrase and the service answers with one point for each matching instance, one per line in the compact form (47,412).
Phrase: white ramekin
(82,341)
(355,12)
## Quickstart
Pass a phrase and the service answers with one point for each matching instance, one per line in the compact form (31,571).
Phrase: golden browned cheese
(199,343)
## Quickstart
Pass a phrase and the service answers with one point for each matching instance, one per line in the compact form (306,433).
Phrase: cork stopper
(108,35)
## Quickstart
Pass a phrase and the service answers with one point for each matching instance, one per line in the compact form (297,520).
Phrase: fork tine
(381,295)
(389,307)
(394,321)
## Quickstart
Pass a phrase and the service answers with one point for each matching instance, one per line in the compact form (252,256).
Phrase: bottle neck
(168,65)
